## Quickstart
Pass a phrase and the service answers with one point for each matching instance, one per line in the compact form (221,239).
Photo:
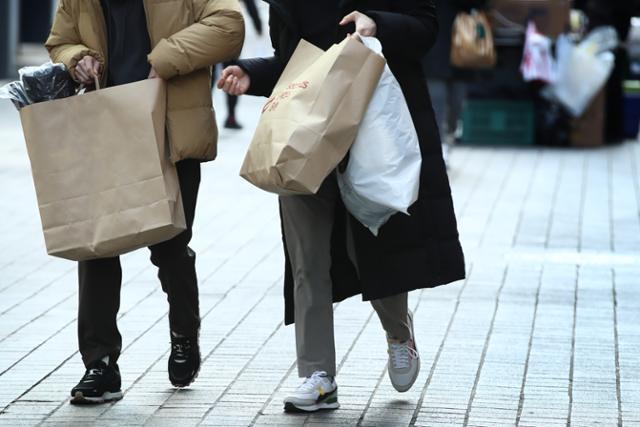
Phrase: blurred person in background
(447,83)
(330,256)
(148,39)
(618,14)
(231,122)
(254,14)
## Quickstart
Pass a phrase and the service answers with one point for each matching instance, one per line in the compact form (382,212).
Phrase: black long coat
(411,252)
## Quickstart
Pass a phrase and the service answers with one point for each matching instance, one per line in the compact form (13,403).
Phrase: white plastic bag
(383,174)
(583,70)
(537,62)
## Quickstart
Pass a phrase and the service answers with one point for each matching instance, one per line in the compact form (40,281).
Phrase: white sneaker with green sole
(317,392)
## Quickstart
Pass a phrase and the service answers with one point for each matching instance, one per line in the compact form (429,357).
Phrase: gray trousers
(447,97)
(308,224)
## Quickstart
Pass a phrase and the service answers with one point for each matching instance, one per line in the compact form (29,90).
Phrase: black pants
(101,279)
(252,9)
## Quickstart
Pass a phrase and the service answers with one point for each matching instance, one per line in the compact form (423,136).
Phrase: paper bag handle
(83,88)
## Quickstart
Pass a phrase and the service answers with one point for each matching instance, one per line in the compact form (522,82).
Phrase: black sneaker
(232,123)
(101,383)
(184,362)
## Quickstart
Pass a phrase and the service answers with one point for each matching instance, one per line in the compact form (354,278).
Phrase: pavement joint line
(498,195)
(465,205)
(485,348)
(525,201)
(66,325)
(223,340)
(14,364)
(208,312)
(38,291)
(36,384)
(272,396)
(107,406)
(583,198)
(65,361)
(123,351)
(348,352)
(384,371)
(163,355)
(612,231)
(240,248)
(616,337)
(22,277)
(573,344)
(338,369)
(34,319)
(454,172)
(252,358)
(416,412)
(554,201)
(529,347)
(66,400)
(280,383)
(48,285)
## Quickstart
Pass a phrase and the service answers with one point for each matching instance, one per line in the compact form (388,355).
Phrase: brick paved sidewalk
(545,331)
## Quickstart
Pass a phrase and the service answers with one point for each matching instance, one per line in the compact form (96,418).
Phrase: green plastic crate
(498,122)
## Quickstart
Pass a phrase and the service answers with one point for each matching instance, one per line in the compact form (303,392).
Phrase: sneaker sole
(178,384)
(81,399)
(406,388)
(292,408)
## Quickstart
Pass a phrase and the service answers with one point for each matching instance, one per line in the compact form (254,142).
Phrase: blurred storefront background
(560,72)
(24,26)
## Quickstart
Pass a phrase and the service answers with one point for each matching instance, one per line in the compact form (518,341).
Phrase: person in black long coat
(327,247)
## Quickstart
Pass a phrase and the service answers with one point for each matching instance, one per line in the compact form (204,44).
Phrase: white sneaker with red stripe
(404,361)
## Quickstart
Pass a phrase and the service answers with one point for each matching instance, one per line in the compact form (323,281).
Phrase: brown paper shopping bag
(472,44)
(100,164)
(312,118)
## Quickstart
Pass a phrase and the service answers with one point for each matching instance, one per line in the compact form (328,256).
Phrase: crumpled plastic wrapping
(39,84)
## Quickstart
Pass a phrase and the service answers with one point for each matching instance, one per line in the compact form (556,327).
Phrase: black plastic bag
(39,84)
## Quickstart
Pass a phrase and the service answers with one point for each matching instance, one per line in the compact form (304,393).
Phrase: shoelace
(401,355)
(181,350)
(312,382)
(91,375)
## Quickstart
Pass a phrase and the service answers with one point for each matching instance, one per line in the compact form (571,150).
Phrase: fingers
(223,78)
(86,69)
(233,81)
(352,17)
(82,75)
(366,32)
(234,86)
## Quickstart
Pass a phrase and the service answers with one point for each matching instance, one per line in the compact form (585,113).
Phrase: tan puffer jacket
(188,37)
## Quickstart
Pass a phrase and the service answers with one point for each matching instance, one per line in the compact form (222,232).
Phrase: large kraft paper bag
(312,118)
(103,179)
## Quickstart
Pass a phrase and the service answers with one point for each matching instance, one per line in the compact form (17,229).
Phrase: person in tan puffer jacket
(121,42)
(187,38)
